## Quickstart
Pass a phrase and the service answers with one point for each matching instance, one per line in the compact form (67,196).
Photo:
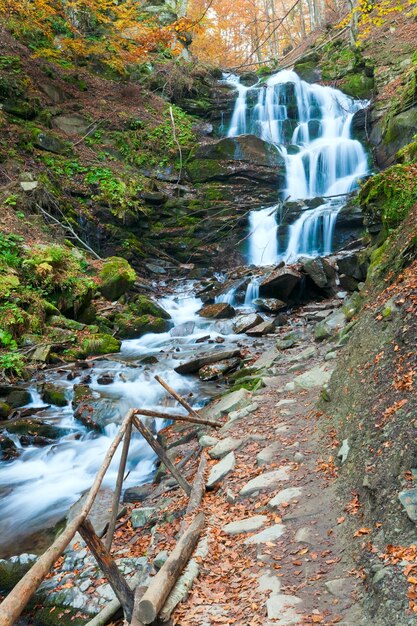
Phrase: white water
(37,489)
(323,159)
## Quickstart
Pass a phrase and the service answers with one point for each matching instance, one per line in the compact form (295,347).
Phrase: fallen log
(180,418)
(149,607)
(158,449)
(192,366)
(119,484)
(108,567)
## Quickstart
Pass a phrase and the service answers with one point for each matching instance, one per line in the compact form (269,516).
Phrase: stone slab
(286,495)
(247,525)
(221,470)
(266,481)
(268,534)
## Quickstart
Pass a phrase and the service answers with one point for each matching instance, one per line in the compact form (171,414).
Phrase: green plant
(6,340)
(12,199)
(12,363)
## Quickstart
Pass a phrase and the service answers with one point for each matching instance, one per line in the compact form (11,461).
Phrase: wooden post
(154,598)
(15,602)
(158,449)
(108,567)
(181,418)
(118,488)
(175,395)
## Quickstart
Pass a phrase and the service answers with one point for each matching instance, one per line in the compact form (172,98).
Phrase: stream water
(38,488)
(311,127)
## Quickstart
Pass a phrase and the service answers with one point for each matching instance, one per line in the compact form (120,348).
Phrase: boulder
(270,305)
(230,402)
(51,394)
(316,377)
(315,270)
(72,124)
(131,326)
(225,446)
(281,283)
(137,494)
(246,148)
(117,277)
(100,343)
(140,517)
(330,326)
(245,322)
(16,397)
(212,372)
(247,525)
(50,143)
(92,411)
(221,470)
(8,450)
(261,329)
(37,428)
(142,305)
(190,367)
(353,265)
(222,310)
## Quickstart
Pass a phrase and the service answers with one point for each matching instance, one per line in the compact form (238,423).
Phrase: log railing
(148,607)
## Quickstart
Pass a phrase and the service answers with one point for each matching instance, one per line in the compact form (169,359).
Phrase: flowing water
(311,127)
(37,489)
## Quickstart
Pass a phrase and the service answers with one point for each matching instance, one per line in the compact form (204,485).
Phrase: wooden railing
(145,609)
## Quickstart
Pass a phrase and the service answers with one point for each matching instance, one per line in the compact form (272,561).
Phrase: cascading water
(311,126)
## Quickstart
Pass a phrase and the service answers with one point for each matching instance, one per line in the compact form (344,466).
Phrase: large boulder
(192,366)
(321,273)
(100,343)
(270,305)
(117,277)
(132,326)
(222,310)
(245,322)
(281,283)
(245,156)
(142,305)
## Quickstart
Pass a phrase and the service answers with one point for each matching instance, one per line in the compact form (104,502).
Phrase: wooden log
(180,418)
(15,602)
(118,488)
(175,395)
(153,600)
(158,449)
(197,490)
(108,567)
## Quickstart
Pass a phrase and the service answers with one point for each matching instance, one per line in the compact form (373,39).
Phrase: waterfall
(311,126)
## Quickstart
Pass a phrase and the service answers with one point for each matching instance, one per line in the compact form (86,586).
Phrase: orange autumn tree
(117,32)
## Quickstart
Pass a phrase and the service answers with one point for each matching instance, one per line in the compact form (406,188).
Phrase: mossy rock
(12,570)
(357,85)
(202,170)
(54,395)
(142,305)
(50,143)
(308,70)
(408,154)
(63,322)
(21,108)
(400,131)
(36,427)
(131,326)
(117,277)
(101,343)
(5,410)
(18,398)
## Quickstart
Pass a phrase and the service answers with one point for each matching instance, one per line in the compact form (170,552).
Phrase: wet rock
(217,370)
(131,326)
(192,366)
(8,450)
(221,470)
(142,305)
(262,329)
(101,343)
(270,305)
(35,440)
(281,283)
(269,534)
(15,397)
(265,482)
(222,310)
(225,446)
(107,378)
(117,277)
(137,494)
(245,322)
(51,394)
(36,428)
(183,330)
(247,525)
(13,569)
(353,265)
(91,410)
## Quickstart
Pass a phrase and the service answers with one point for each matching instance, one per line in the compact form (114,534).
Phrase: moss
(357,85)
(250,385)
(408,154)
(141,305)
(131,326)
(101,343)
(117,277)
(202,170)
(54,395)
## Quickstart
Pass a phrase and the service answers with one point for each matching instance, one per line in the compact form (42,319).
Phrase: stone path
(275,551)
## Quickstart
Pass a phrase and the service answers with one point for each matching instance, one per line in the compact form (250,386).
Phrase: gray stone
(344,450)
(231,402)
(330,356)
(304,355)
(221,470)
(298,457)
(224,447)
(160,559)
(286,495)
(29,185)
(206,441)
(408,499)
(267,455)
(305,535)
(72,124)
(50,143)
(266,481)
(140,517)
(338,587)
(247,525)
(316,377)
(245,322)
(100,512)
(183,330)
(261,329)
(380,575)
(285,401)
(269,582)
(268,534)
(282,608)
(106,592)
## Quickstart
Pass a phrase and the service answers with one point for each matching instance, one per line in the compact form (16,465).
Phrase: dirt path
(275,553)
